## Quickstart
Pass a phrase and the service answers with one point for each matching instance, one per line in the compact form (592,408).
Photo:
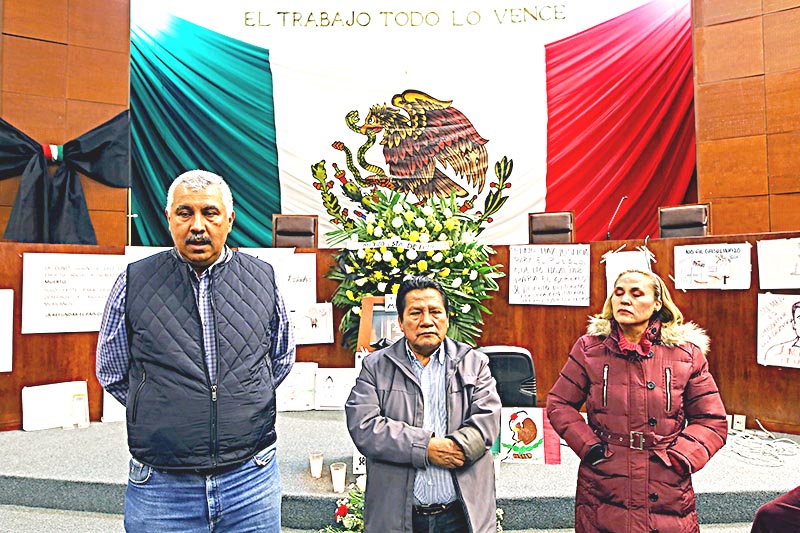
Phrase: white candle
(316,464)
(338,474)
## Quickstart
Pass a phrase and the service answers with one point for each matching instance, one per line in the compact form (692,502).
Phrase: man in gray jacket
(424,411)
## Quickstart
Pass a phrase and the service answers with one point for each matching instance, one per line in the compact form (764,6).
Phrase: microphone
(608,234)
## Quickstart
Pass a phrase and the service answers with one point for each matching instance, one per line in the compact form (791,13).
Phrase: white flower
(457,283)
(459,257)
(387,255)
(377,257)
(382,286)
(469,236)
(419,222)
(398,207)
(424,237)
(357,310)
(361,281)
(427,210)
(447,212)
(348,269)
(397,222)
(411,254)
(354,237)
(442,237)
(465,308)
(371,218)
(361,253)
(378,231)
(437,257)
(473,275)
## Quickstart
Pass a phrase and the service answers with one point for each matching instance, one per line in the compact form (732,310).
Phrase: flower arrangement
(349,515)
(398,237)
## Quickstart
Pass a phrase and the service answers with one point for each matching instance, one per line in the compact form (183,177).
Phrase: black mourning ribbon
(53,210)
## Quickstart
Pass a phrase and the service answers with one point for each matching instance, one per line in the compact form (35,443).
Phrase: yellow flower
(450,224)
(437,227)
(444,272)
(370,229)
(413,236)
(422,265)
(350,295)
(395,288)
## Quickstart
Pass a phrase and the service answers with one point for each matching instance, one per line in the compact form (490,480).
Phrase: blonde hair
(669,314)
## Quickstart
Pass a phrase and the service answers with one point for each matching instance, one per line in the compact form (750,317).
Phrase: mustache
(198,239)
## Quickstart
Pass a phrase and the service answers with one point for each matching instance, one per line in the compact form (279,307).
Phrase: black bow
(54,210)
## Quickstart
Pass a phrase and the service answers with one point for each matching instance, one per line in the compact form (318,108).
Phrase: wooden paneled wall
(747,110)
(770,394)
(64,70)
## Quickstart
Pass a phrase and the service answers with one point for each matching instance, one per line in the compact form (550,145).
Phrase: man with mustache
(424,411)
(194,341)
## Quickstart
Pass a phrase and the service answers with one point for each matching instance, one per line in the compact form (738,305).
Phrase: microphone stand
(608,233)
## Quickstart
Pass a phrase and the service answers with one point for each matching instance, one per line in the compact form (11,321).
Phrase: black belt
(436,508)
(217,471)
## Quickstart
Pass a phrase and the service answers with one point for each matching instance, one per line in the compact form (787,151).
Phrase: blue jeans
(245,499)
(452,521)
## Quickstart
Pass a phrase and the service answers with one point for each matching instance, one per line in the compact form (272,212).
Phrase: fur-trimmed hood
(673,335)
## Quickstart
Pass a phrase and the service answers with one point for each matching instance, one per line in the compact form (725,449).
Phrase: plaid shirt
(113,355)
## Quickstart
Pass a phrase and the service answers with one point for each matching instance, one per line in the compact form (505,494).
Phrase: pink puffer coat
(646,409)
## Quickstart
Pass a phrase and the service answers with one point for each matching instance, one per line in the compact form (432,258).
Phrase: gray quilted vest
(177,419)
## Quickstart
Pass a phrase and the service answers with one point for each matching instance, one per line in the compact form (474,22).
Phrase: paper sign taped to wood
(549,274)
(713,266)
(778,264)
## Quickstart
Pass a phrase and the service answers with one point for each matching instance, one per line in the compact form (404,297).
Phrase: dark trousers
(779,515)
(450,521)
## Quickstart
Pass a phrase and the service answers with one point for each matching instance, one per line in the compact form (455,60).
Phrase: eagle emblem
(421,137)
(430,150)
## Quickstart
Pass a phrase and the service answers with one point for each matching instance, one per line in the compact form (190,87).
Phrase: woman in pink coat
(655,415)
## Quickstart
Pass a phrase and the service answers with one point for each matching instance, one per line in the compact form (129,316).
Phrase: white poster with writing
(779,330)
(6,329)
(778,264)
(295,275)
(549,274)
(66,292)
(713,266)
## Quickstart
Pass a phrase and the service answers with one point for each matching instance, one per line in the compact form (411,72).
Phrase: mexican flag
(591,101)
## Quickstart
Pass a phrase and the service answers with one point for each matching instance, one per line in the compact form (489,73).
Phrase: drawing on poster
(713,266)
(522,435)
(779,330)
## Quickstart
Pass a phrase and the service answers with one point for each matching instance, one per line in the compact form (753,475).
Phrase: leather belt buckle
(433,509)
(637,440)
